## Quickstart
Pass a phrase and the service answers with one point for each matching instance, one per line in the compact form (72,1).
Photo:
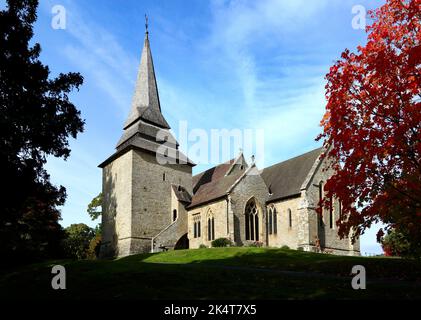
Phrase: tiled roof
(284,179)
(213,183)
(181,193)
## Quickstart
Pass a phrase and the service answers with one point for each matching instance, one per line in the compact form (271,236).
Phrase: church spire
(146,25)
(145,103)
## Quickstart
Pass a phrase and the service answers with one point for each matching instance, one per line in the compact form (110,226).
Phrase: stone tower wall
(117,206)
(137,201)
(151,197)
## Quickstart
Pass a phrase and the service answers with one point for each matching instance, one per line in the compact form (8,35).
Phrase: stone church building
(149,206)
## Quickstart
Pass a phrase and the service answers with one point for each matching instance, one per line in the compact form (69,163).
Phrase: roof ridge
(214,167)
(293,158)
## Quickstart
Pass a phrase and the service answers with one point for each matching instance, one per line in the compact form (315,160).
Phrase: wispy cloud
(98,55)
(282,93)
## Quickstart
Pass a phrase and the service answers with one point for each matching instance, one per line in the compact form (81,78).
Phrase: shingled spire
(145,103)
(146,128)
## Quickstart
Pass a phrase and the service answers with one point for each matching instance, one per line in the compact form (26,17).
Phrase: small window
(331,213)
(275,221)
(163,176)
(290,218)
(320,191)
(174,215)
(196,226)
(340,209)
(211,228)
(272,220)
(320,216)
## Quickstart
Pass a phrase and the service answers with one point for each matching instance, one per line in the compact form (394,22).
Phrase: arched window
(320,191)
(320,216)
(273,223)
(211,226)
(340,208)
(289,218)
(174,215)
(252,221)
(196,226)
(331,213)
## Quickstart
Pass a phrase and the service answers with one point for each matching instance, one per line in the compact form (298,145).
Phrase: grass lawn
(218,273)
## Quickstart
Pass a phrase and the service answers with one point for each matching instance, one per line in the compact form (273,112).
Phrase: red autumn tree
(371,128)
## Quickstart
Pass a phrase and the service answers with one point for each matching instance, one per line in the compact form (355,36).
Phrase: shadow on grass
(292,260)
(233,273)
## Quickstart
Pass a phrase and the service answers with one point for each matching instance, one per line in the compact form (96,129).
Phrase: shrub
(396,244)
(77,241)
(202,246)
(285,247)
(94,246)
(300,249)
(257,244)
(221,242)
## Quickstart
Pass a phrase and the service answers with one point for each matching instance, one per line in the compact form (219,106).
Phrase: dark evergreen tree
(37,120)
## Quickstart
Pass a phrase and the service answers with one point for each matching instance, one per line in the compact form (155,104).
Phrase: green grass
(218,273)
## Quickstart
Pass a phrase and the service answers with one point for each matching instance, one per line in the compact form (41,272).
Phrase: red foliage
(387,251)
(371,128)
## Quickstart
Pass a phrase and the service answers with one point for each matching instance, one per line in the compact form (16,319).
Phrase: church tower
(147,179)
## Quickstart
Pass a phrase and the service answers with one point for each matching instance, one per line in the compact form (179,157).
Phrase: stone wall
(137,192)
(250,186)
(327,234)
(287,235)
(168,237)
(117,206)
(218,209)
(151,196)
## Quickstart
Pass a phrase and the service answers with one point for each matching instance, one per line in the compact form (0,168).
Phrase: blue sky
(219,64)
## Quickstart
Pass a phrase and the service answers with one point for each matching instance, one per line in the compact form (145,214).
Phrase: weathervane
(146,23)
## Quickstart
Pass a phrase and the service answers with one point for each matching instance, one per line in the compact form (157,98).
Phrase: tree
(77,241)
(371,128)
(95,207)
(94,247)
(37,120)
(95,211)
(395,244)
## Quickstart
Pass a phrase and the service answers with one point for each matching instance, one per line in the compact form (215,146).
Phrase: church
(150,205)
